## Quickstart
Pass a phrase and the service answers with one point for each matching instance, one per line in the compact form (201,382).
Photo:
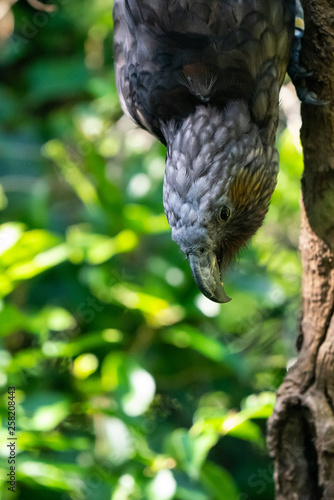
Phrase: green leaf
(184,493)
(134,385)
(218,482)
(43,412)
(187,336)
(113,440)
(24,246)
(98,248)
(191,451)
(12,319)
(162,487)
(141,219)
(237,424)
(10,234)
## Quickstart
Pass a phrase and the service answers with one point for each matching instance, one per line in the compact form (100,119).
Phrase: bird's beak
(206,273)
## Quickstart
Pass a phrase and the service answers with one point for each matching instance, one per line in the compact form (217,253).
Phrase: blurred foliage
(129,383)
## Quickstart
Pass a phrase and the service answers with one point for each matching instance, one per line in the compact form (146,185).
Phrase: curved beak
(206,273)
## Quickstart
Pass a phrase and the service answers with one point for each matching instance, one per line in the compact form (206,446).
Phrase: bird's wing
(171,55)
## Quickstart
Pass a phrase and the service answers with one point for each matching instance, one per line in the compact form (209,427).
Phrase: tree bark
(301,429)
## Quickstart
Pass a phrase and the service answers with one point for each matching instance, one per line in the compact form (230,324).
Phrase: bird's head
(218,182)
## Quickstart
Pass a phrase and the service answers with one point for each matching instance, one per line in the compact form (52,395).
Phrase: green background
(129,383)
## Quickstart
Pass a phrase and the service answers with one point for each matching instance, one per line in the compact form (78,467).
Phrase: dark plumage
(204,77)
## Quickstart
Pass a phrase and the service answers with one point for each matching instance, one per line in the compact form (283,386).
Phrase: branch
(301,429)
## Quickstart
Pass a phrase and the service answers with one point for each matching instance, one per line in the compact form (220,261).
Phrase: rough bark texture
(301,429)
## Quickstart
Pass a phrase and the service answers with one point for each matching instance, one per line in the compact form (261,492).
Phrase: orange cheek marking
(240,190)
(246,188)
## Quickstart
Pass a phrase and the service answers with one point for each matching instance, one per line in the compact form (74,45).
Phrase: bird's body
(204,77)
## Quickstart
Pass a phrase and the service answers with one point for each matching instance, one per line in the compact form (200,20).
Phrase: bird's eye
(224,213)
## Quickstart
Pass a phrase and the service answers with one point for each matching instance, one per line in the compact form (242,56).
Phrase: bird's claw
(297,72)
(298,75)
(312,98)
(307,96)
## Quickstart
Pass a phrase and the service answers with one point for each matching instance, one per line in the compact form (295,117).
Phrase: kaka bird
(204,77)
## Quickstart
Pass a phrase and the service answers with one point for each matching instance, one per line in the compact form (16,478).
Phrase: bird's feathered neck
(234,118)
(213,154)
(204,144)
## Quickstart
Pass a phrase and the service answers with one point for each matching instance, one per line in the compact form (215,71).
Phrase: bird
(204,77)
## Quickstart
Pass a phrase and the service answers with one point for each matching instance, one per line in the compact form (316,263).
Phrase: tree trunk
(301,429)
